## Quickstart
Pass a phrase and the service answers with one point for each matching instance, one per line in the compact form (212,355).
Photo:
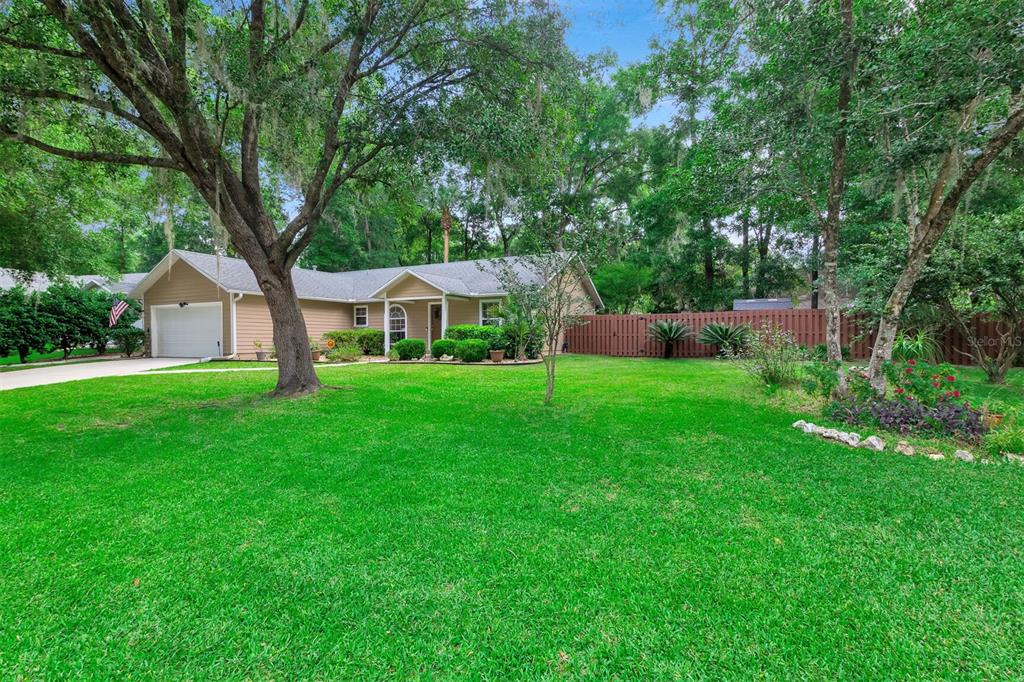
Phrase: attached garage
(194,330)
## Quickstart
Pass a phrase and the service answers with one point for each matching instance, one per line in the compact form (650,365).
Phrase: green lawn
(13,359)
(661,519)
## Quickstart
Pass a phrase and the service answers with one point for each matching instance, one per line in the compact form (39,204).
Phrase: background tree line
(830,150)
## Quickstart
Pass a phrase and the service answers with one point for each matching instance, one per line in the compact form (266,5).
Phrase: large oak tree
(267,107)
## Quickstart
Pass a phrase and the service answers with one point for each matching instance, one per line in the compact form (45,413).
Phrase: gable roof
(473,278)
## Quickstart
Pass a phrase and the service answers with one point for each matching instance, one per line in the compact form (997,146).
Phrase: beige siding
(412,287)
(463,312)
(252,318)
(324,316)
(585,304)
(184,284)
(416,319)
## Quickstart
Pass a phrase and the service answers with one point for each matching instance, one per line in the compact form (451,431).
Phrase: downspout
(235,298)
(387,324)
(444,314)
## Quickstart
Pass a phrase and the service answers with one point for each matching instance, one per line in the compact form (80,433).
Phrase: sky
(623,26)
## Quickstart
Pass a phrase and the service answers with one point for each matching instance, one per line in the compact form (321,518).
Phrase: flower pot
(261,355)
(316,354)
(497,355)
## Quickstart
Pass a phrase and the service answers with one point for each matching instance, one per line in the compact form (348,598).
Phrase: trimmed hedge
(369,341)
(410,349)
(442,347)
(493,336)
(471,350)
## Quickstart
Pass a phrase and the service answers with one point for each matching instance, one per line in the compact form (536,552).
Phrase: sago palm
(668,333)
(727,338)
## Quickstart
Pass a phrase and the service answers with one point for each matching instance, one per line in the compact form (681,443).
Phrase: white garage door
(193,331)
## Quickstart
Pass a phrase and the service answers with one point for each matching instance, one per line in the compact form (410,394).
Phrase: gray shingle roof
(40,282)
(462,278)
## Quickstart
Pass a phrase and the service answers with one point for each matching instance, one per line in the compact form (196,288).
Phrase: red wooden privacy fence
(626,335)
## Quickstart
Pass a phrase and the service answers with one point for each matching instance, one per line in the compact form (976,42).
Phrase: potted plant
(496,343)
(314,348)
(261,355)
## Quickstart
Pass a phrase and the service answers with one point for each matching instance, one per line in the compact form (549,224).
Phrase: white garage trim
(155,329)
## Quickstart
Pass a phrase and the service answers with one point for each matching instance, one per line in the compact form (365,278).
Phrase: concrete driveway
(57,374)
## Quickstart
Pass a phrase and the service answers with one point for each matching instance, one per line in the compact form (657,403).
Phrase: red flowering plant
(931,385)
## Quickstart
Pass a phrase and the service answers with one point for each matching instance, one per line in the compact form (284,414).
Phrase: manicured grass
(660,520)
(13,359)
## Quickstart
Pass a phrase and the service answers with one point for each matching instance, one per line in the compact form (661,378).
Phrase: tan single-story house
(200,305)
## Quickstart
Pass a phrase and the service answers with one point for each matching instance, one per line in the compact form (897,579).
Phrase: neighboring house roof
(39,282)
(472,278)
(127,282)
(762,304)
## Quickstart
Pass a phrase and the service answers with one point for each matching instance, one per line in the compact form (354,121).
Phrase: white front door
(192,331)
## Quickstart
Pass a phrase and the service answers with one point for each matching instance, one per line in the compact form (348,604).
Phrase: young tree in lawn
(23,328)
(545,289)
(235,97)
(942,132)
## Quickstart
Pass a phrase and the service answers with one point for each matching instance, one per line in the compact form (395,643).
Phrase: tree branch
(98,104)
(46,49)
(95,157)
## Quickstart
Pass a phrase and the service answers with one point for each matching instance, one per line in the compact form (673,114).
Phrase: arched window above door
(397,323)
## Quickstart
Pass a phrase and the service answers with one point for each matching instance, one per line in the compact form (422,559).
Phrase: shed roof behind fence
(762,304)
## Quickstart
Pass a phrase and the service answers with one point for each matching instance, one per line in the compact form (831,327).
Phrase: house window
(397,323)
(361,316)
(489,313)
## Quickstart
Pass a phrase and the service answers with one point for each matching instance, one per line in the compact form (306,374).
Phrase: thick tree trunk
(764,241)
(888,323)
(446,227)
(745,255)
(430,242)
(815,247)
(295,372)
(709,256)
(836,188)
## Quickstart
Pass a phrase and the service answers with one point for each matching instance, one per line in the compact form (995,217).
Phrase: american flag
(116,311)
